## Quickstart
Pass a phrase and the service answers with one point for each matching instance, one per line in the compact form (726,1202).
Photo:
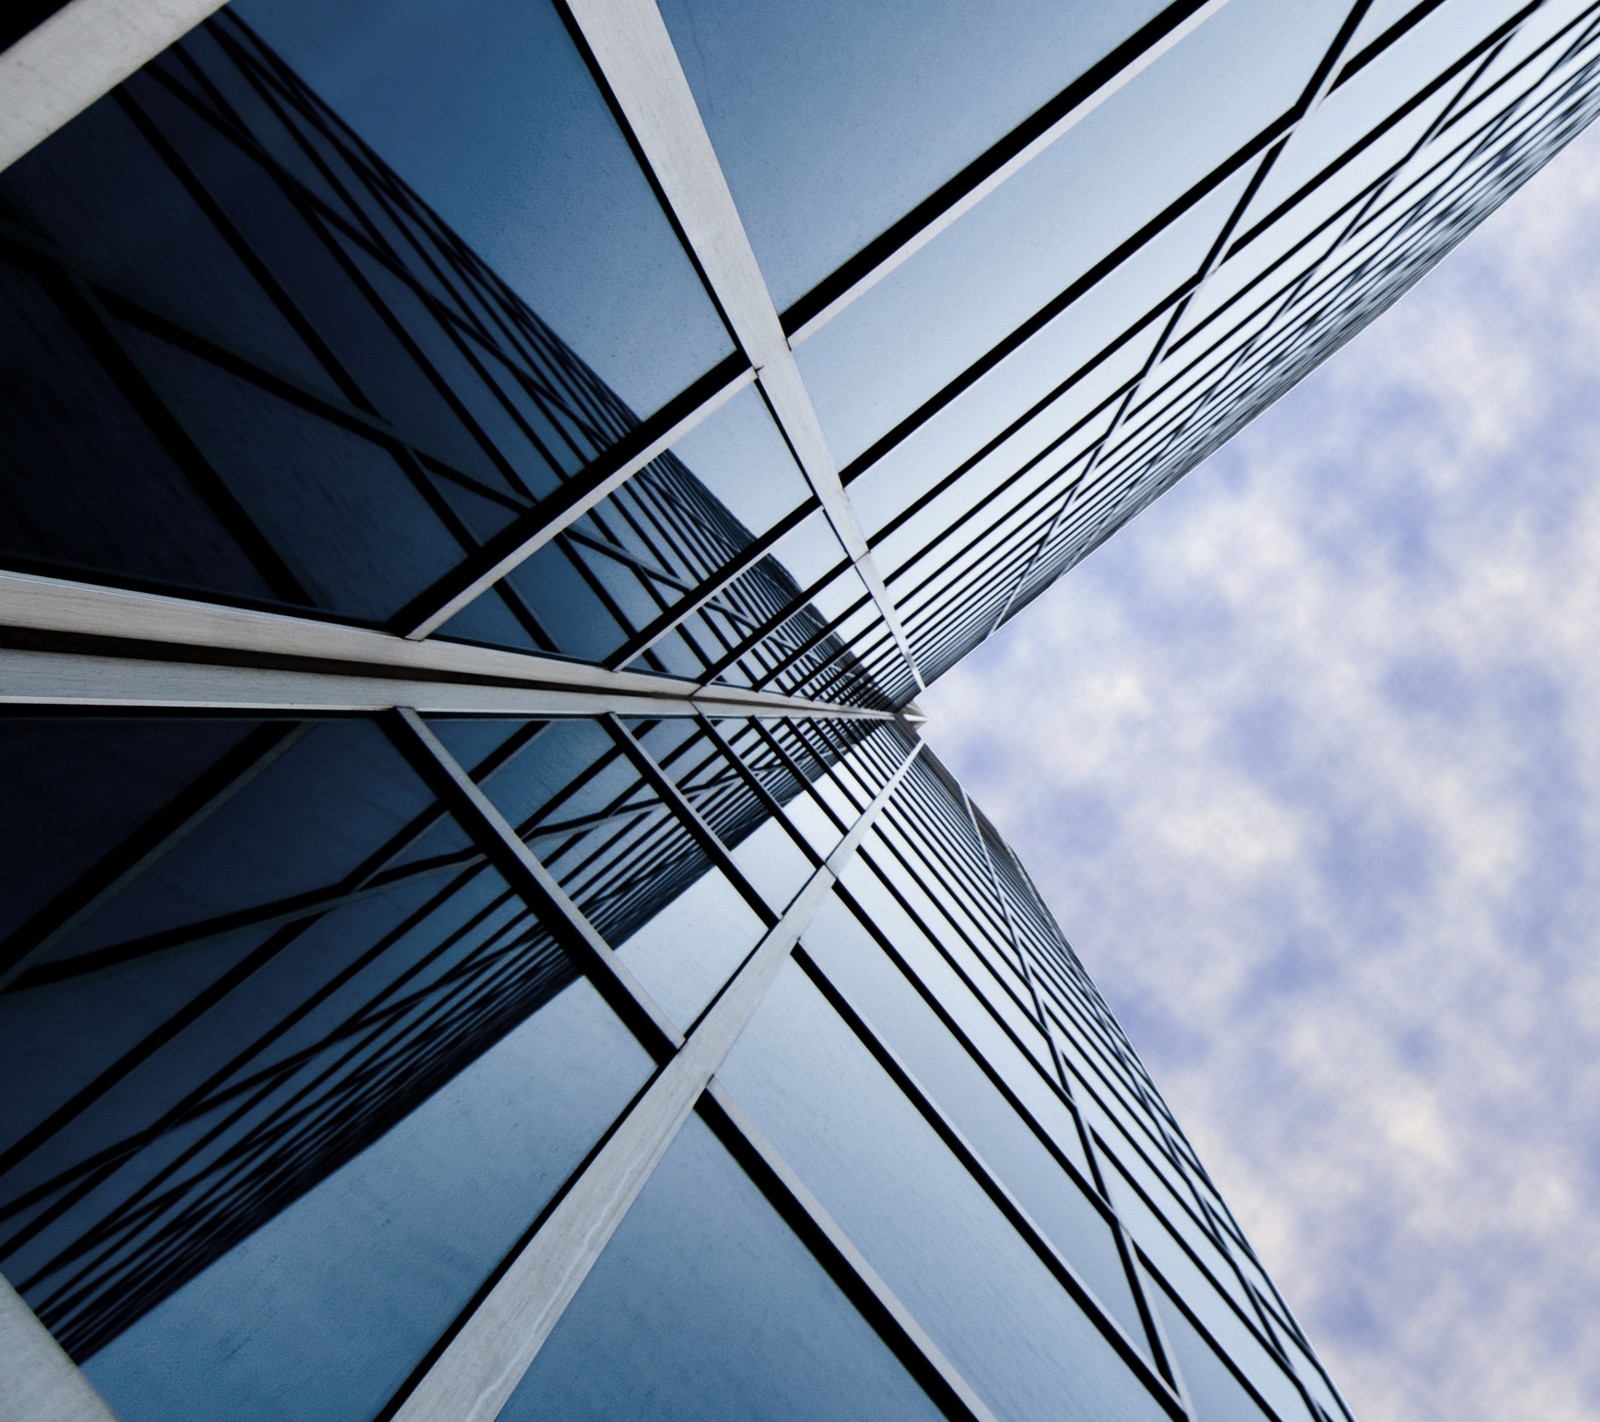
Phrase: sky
(1306,760)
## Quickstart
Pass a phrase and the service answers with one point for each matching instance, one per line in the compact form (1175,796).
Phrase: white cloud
(1307,760)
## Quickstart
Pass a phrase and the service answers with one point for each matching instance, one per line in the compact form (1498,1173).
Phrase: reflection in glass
(324,1310)
(283,1090)
(1058,1203)
(833,119)
(984,1296)
(488,111)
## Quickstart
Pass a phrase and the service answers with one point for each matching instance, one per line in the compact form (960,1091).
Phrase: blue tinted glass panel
(98,189)
(1218,1395)
(1027,1068)
(77,789)
(833,119)
(954,301)
(772,861)
(739,455)
(944,1249)
(283,1092)
(322,1312)
(1057,1202)
(352,523)
(687,952)
(90,485)
(489,112)
(705,1307)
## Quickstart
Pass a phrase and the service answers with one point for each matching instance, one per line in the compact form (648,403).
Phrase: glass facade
(484,485)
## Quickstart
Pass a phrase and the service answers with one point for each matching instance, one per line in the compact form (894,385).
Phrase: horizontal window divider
(89,645)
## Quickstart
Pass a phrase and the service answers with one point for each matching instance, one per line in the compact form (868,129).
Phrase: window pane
(706,1308)
(692,947)
(833,119)
(488,111)
(282,1091)
(945,1070)
(321,1313)
(944,1248)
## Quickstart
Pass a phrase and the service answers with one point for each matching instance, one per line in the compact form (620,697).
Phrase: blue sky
(1307,761)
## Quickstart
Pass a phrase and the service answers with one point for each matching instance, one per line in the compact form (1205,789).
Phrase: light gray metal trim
(903,1318)
(1158,1326)
(975,195)
(84,50)
(631,45)
(480,1368)
(596,496)
(38,1381)
(66,679)
(489,819)
(354,668)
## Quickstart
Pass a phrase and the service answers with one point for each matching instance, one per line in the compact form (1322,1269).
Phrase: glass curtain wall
(483,488)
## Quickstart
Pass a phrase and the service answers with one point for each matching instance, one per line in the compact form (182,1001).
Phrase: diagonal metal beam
(42,1383)
(88,645)
(632,49)
(88,47)
(479,1369)
(497,837)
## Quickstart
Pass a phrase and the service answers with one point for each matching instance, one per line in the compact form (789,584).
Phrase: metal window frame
(86,645)
(478,1369)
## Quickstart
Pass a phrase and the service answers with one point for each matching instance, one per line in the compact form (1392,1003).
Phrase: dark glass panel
(595,823)
(360,534)
(285,1096)
(705,1307)
(101,191)
(665,575)
(489,112)
(77,789)
(23,16)
(87,484)
(307,813)
(322,1312)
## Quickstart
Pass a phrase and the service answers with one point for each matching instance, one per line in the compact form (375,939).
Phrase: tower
(487,937)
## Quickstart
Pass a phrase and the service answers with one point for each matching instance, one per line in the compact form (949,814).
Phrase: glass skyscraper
(484,485)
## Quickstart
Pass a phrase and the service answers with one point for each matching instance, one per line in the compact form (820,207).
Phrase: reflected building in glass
(483,487)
